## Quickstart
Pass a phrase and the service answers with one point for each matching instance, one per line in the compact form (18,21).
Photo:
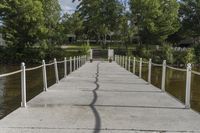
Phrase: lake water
(10,88)
(175,83)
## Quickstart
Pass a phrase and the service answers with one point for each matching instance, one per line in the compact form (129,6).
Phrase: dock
(102,97)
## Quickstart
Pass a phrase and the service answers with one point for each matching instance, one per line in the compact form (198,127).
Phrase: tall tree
(51,12)
(190,16)
(22,22)
(101,17)
(72,24)
(155,19)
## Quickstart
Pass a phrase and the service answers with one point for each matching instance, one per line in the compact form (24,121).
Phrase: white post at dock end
(188,86)
(23,85)
(163,75)
(44,75)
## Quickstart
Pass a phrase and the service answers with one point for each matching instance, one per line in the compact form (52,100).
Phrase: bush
(143,51)
(85,48)
(167,53)
(189,56)
(197,52)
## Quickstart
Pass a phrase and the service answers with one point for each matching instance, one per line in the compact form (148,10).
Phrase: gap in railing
(156,76)
(10,97)
(176,84)
(11,94)
(34,83)
(195,94)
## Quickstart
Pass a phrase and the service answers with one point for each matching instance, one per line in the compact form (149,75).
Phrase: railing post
(65,66)
(56,70)
(23,85)
(129,64)
(44,75)
(74,63)
(123,61)
(77,62)
(133,65)
(140,70)
(149,71)
(163,75)
(70,64)
(85,59)
(126,61)
(120,58)
(188,86)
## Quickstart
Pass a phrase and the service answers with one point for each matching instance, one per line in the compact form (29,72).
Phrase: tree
(155,19)
(190,15)
(23,22)
(51,12)
(72,24)
(101,17)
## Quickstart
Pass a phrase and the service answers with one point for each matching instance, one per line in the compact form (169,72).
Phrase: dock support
(133,65)
(65,66)
(44,75)
(149,71)
(129,64)
(126,61)
(70,64)
(23,85)
(77,62)
(56,70)
(163,75)
(122,61)
(74,63)
(188,86)
(140,69)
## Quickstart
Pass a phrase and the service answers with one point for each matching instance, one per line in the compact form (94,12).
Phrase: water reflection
(175,84)
(10,87)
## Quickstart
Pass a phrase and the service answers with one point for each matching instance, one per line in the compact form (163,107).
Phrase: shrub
(85,48)
(167,53)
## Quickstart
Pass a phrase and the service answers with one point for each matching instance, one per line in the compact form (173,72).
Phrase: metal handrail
(34,68)
(178,69)
(145,62)
(11,73)
(50,64)
(195,72)
(60,62)
(158,65)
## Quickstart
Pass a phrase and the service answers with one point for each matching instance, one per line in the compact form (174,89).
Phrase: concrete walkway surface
(101,97)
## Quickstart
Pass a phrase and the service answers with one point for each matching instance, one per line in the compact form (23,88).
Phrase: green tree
(155,19)
(72,23)
(22,22)
(190,15)
(51,12)
(101,17)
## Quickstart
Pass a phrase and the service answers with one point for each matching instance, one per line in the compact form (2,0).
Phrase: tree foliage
(155,19)
(190,16)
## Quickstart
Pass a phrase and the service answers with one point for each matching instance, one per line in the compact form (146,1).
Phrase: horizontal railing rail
(125,61)
(197,73)
(78,62)
(11,73)
(34,68)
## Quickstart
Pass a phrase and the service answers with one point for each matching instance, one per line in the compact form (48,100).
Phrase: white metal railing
(121,60)
(78,62)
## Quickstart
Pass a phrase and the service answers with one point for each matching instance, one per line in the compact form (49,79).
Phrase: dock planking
(102,97)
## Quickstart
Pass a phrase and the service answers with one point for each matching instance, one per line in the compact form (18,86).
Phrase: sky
(68,5)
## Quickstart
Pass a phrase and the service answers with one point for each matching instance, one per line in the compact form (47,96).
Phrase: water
(10,88)
(175,84)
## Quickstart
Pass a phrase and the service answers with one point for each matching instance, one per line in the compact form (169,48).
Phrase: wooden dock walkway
(102,97)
